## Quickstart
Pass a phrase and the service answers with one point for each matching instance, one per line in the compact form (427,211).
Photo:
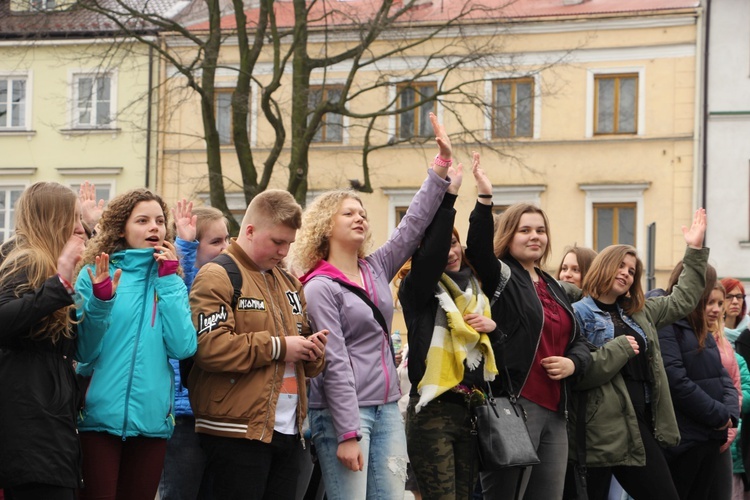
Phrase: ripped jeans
(383,446)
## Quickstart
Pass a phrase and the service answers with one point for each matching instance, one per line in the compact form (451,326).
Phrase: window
(12,102)
(331,126)
(616,104)
(93,103)
(224,122)
(614,223)
(513,108)
(416,121)
(43,4)
(8,198)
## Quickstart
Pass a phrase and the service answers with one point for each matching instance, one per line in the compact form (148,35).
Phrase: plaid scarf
(454,342)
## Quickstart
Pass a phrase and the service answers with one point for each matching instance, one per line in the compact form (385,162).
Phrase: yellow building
(590,112)
(74,103)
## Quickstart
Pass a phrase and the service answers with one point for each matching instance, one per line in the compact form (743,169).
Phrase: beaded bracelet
(442,162)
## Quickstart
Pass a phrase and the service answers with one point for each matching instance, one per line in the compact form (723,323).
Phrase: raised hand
(91,210)
(442,139)
(484,186)
(184,220)
(456,175)
(694,236)
(104,286)
(70,256)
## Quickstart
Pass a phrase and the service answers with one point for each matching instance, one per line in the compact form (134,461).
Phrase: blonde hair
(312,243)
(602,274)
(204,217)
(273,207)
(111,237)
(507,224)
(45,220)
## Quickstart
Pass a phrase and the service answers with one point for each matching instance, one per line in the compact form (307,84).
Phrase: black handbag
(502,438)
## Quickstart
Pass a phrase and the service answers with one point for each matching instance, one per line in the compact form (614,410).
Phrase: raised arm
(186,244)
(686,293)
(479,247)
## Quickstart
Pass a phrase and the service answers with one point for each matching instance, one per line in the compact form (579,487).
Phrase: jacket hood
(323,268)
(733,333)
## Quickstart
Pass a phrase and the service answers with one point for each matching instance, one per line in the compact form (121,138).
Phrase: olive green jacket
(612,434)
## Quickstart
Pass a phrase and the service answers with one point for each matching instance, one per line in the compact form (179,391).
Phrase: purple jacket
(359,368)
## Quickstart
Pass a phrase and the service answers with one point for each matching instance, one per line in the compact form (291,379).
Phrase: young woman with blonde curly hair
(356,425)
(128,409)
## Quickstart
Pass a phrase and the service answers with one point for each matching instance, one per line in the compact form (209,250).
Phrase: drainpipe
(703,47)
(148,114)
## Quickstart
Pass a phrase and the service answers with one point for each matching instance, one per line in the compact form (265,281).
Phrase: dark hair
(603,272)
(697,318)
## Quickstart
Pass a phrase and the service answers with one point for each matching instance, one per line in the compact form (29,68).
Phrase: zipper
(135,353)
(572,337)
(276,363)
(538,340)
(385,369)
(153,311)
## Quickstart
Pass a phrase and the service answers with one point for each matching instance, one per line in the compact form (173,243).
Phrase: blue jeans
(184,474)
(383,446)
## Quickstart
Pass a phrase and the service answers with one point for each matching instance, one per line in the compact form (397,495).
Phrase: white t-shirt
(286,408)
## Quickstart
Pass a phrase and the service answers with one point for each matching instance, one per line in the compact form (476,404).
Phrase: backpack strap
(233,272)
(235,277)
(359,292)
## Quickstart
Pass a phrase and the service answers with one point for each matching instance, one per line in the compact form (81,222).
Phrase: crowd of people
(145,351)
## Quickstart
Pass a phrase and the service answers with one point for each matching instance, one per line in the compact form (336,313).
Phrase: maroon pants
(117,469)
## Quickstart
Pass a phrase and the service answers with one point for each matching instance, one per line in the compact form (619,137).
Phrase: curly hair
(312,243)
(45,220)
(111,237)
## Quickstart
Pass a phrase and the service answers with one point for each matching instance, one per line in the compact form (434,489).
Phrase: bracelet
(442,162)
(486,196)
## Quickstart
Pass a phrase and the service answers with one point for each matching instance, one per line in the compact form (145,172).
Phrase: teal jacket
(131,391)
(737,463)
(612,434)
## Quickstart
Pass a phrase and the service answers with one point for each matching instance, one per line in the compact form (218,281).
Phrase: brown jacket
(239,368)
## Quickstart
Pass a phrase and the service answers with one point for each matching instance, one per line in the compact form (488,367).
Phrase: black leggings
(35,491)
(642,483)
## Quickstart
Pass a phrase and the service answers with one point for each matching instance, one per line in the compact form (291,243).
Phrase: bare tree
(359,36)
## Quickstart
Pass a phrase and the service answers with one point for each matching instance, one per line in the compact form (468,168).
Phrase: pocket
(595,330)
(223,383)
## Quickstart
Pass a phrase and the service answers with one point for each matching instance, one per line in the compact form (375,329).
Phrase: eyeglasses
(740,297)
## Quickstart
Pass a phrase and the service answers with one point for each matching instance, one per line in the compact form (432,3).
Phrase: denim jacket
(597,324)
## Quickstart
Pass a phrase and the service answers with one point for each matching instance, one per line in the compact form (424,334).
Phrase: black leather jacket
(517,310)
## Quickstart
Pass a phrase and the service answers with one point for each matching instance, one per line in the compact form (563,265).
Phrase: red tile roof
(353,12)
(77,21)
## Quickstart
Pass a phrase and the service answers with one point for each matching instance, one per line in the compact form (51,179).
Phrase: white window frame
(615,193)
(508,195)
(397,197)
(20,75)
(591,73)
(489,85)
(7,231)
(235,203)
(252,110)
(74,76)
(334,82)
(393,91)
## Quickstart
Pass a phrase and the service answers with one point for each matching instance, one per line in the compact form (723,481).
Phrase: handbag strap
(359,292)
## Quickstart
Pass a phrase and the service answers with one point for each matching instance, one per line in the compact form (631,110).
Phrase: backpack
(235,277)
